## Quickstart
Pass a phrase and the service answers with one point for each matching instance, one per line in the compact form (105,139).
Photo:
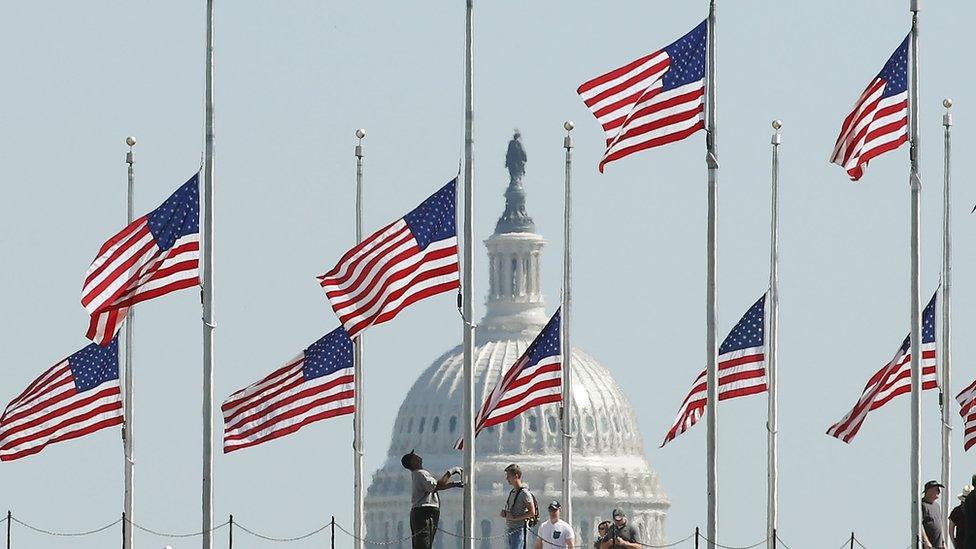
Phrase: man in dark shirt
(621,534)
(957,520)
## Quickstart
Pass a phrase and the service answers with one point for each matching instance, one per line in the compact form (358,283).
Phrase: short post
(10,519)
(852,540)
(333,531)
(697,535)
(774,538)
(230,532)
(123,530)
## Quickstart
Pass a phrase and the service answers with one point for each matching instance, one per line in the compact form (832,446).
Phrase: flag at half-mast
(741,369)
(156,254)
(894,379)
(535,379)
(651,101)
(315,385)
(879,121)
(967,402)
(73,398)
(413,258)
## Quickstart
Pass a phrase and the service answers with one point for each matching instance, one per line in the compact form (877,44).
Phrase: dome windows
(420,428)
(410,425)
(435,424)
(452,425)
(510,426)
(533,424)
(552,424)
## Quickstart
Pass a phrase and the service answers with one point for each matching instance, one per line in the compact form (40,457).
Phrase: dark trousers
(423,526)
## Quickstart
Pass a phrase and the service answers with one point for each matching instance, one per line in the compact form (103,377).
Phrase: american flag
(73,398)
(535,379)
(315,385)
(411,259)
(741,369)
(154,255)
(967,400)
(651,101)
(879,121)
(894,379)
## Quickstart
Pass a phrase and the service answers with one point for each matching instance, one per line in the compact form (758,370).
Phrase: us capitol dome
(609,466)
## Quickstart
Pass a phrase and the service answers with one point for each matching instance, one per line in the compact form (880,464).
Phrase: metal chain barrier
(172,535)
(376,542)
(296,538)
(780,540)
(63,534)
(672,544)
(476,538)
(859,544)
(717,544)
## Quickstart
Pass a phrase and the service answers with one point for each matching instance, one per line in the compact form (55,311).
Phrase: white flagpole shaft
(916,187)
(566,345)
(128,429)
(467,283)
(772,344)
(711,349)
(208,289)
(946,349)
(357,420)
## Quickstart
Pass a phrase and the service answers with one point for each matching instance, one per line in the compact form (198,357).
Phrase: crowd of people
(962,519)
(521,513)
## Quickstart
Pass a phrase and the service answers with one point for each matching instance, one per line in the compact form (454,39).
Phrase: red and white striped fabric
(741,370)
(655,100)
(967,402)
(156,254)
(73,398)
(411,259)
(318,384)
(879,121)
(535,379)
(894,379)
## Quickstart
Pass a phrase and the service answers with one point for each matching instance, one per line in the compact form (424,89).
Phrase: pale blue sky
(295,79)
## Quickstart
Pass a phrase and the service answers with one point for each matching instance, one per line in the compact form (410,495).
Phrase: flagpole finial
(569,125)
(777,124)
(947,103)
(361,133)
(131,141)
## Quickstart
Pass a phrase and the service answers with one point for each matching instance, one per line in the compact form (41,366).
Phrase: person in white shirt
(555,532)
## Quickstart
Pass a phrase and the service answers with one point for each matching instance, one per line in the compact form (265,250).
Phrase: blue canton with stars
(178,216)
(95,365)
(546,344)
(749,332)
(328,355)
(928,325)
(687,58)
(434,219)
(895,71)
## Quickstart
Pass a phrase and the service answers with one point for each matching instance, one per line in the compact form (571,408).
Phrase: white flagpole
(357,418)
(566,345)
(467,283)
(128,428)
(207,265)
(711,159)
(946,350)
(772,345)
(916,188)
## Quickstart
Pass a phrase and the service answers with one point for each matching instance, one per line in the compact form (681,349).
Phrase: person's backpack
(534,519)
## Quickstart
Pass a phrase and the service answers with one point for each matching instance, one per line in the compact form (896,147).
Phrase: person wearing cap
(555,532)
(957,519)
(621,534)
(425,507)
(519,508)
(932,534)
